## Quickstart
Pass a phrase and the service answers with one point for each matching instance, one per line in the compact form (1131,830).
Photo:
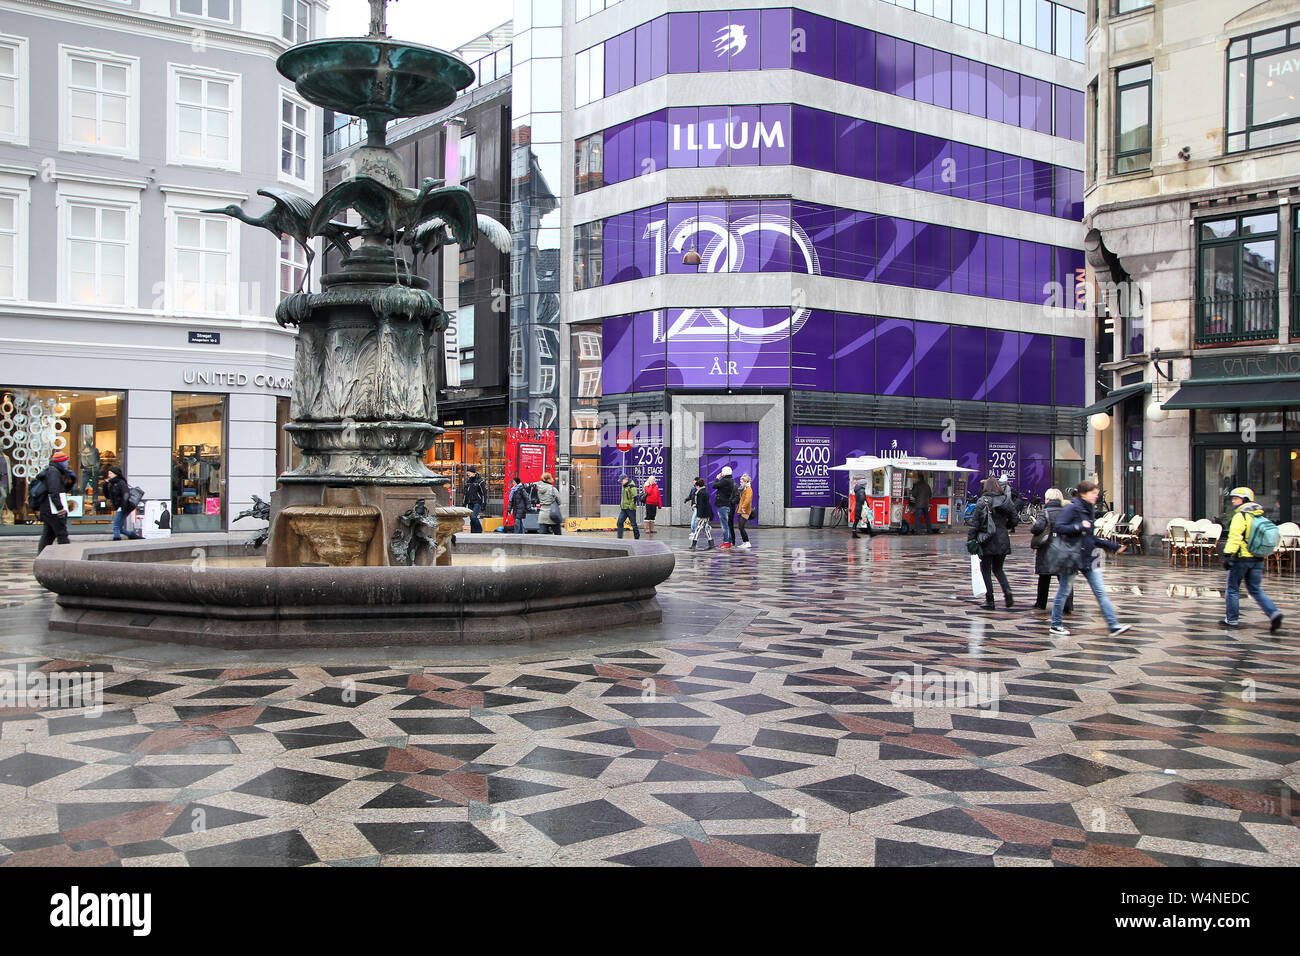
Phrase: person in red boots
(653,501)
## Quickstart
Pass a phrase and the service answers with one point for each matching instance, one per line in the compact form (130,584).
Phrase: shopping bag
(976,579)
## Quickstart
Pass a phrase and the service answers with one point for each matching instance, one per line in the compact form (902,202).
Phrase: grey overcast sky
(442,23)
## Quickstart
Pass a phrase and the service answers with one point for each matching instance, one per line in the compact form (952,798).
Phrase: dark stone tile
(294,786)
(154,777)
(852,793)
(28,769)
(894,853)
(582,822)
(672,854)
(724,806)
(289,848)
(798,743)
(553,760)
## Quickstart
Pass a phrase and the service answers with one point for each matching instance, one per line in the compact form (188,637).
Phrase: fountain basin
(189,589)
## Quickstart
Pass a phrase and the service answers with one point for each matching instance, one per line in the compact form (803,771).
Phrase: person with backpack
(1041,530)
(48,493)
(118,493)
(627,508)
(991,525)
(703,514)
(520,504)
(725,486)
(1251,538)
(1074,526)
(475,497)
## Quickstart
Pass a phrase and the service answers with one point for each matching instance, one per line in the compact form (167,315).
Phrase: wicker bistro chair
(1207,542)
(1178,537)
(1129,535)
(1288,543)
(1105,526)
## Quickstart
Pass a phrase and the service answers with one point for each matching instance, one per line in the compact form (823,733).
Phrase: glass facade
(753,235)
(786,39)
(779,134)
(1263,80)
(485,448)
(198,462)
(36,424)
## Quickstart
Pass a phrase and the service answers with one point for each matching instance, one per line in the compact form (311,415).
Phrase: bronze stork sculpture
(432,234)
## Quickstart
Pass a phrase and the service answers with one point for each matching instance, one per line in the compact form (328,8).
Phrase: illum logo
(730,39)
(75,909)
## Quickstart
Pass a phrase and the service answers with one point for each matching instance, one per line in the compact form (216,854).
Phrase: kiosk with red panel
(889,481)
(530,453)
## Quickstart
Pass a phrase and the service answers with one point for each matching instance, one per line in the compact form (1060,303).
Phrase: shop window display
(198,462)
(37,423)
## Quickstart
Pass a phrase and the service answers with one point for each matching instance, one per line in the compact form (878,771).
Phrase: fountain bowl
(212,590)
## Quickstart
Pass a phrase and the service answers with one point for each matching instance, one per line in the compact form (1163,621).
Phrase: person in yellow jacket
(1241,565)
(744,510)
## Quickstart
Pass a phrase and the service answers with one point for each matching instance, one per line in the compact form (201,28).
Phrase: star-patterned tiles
(793,726)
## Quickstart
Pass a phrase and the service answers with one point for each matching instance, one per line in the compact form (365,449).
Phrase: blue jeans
(1064,589)
(1252,572)
(475,526)
(625,514)
(119,522)
(519,523)
(724,518)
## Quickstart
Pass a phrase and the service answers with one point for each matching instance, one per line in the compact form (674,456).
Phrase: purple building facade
(825,238)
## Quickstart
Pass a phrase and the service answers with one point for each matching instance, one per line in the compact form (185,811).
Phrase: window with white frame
(10,239)
(13,90)
(295,21)
(293,266)
(589,345)
(294,133)
(516,354)
(202,263)
(100,102)
(97,252)
(207,9)
(543,345)
(589,383)
(468,157)
(205,118)
(546,379)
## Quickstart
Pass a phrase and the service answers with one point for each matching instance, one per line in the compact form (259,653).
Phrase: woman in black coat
(1053,502)
(116,491)
(995,548)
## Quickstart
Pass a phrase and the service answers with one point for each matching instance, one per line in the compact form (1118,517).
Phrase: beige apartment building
(1190,206)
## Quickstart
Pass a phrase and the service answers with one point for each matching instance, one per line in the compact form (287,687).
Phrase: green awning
(1114,398)
(1219,394)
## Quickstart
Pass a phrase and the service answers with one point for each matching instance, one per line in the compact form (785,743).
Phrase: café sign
(1246,367)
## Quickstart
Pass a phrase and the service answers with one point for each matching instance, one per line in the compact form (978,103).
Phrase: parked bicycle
(841,513)
(1030,509)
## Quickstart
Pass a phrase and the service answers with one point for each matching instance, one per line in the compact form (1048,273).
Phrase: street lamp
(1100,421)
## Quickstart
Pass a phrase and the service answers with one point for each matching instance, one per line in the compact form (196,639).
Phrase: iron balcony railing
(1245,317)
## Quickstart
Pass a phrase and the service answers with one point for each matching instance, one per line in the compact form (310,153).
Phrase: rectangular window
(1237,278)
(96,253)
(198,462)
(295,21)
(205,118)
(99,103)
(465,342)
(207,9)
(13,90)
(468,157)
(13,240)
(293,266)
(201,263)
(1263,84)
(294,133)
(1128,6)
(1133,118)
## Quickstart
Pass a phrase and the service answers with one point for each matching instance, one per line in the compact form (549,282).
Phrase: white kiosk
(890,479)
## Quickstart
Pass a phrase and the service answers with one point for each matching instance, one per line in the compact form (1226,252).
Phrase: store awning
(1218,394)
(1114,398)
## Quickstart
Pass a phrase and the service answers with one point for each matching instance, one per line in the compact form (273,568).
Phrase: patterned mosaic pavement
(775,732)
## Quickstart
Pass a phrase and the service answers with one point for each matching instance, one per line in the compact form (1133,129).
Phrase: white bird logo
(730,39)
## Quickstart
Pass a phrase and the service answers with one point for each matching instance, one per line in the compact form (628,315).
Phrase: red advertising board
(530,453)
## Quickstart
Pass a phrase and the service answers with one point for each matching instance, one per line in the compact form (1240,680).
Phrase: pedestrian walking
(653,501)
(57,480)
(549,518)
(725,486)
(520,504)
(991,525)
(690,500)
(475,497)
(118,492)
(703,508)
(860,508)
(1054,501)
(921,494)
(744,509)
(1243,564)
(1075,527)
(627,508)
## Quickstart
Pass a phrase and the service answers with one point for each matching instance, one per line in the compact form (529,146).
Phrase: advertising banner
(810,462)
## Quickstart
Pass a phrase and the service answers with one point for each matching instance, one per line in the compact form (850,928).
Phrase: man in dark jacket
(993,548)
(1075,524)
(860,507)
(475,496)
(117,491)
(1055,502)
(725,486)
(59,480)
(920,495)
(702,514)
